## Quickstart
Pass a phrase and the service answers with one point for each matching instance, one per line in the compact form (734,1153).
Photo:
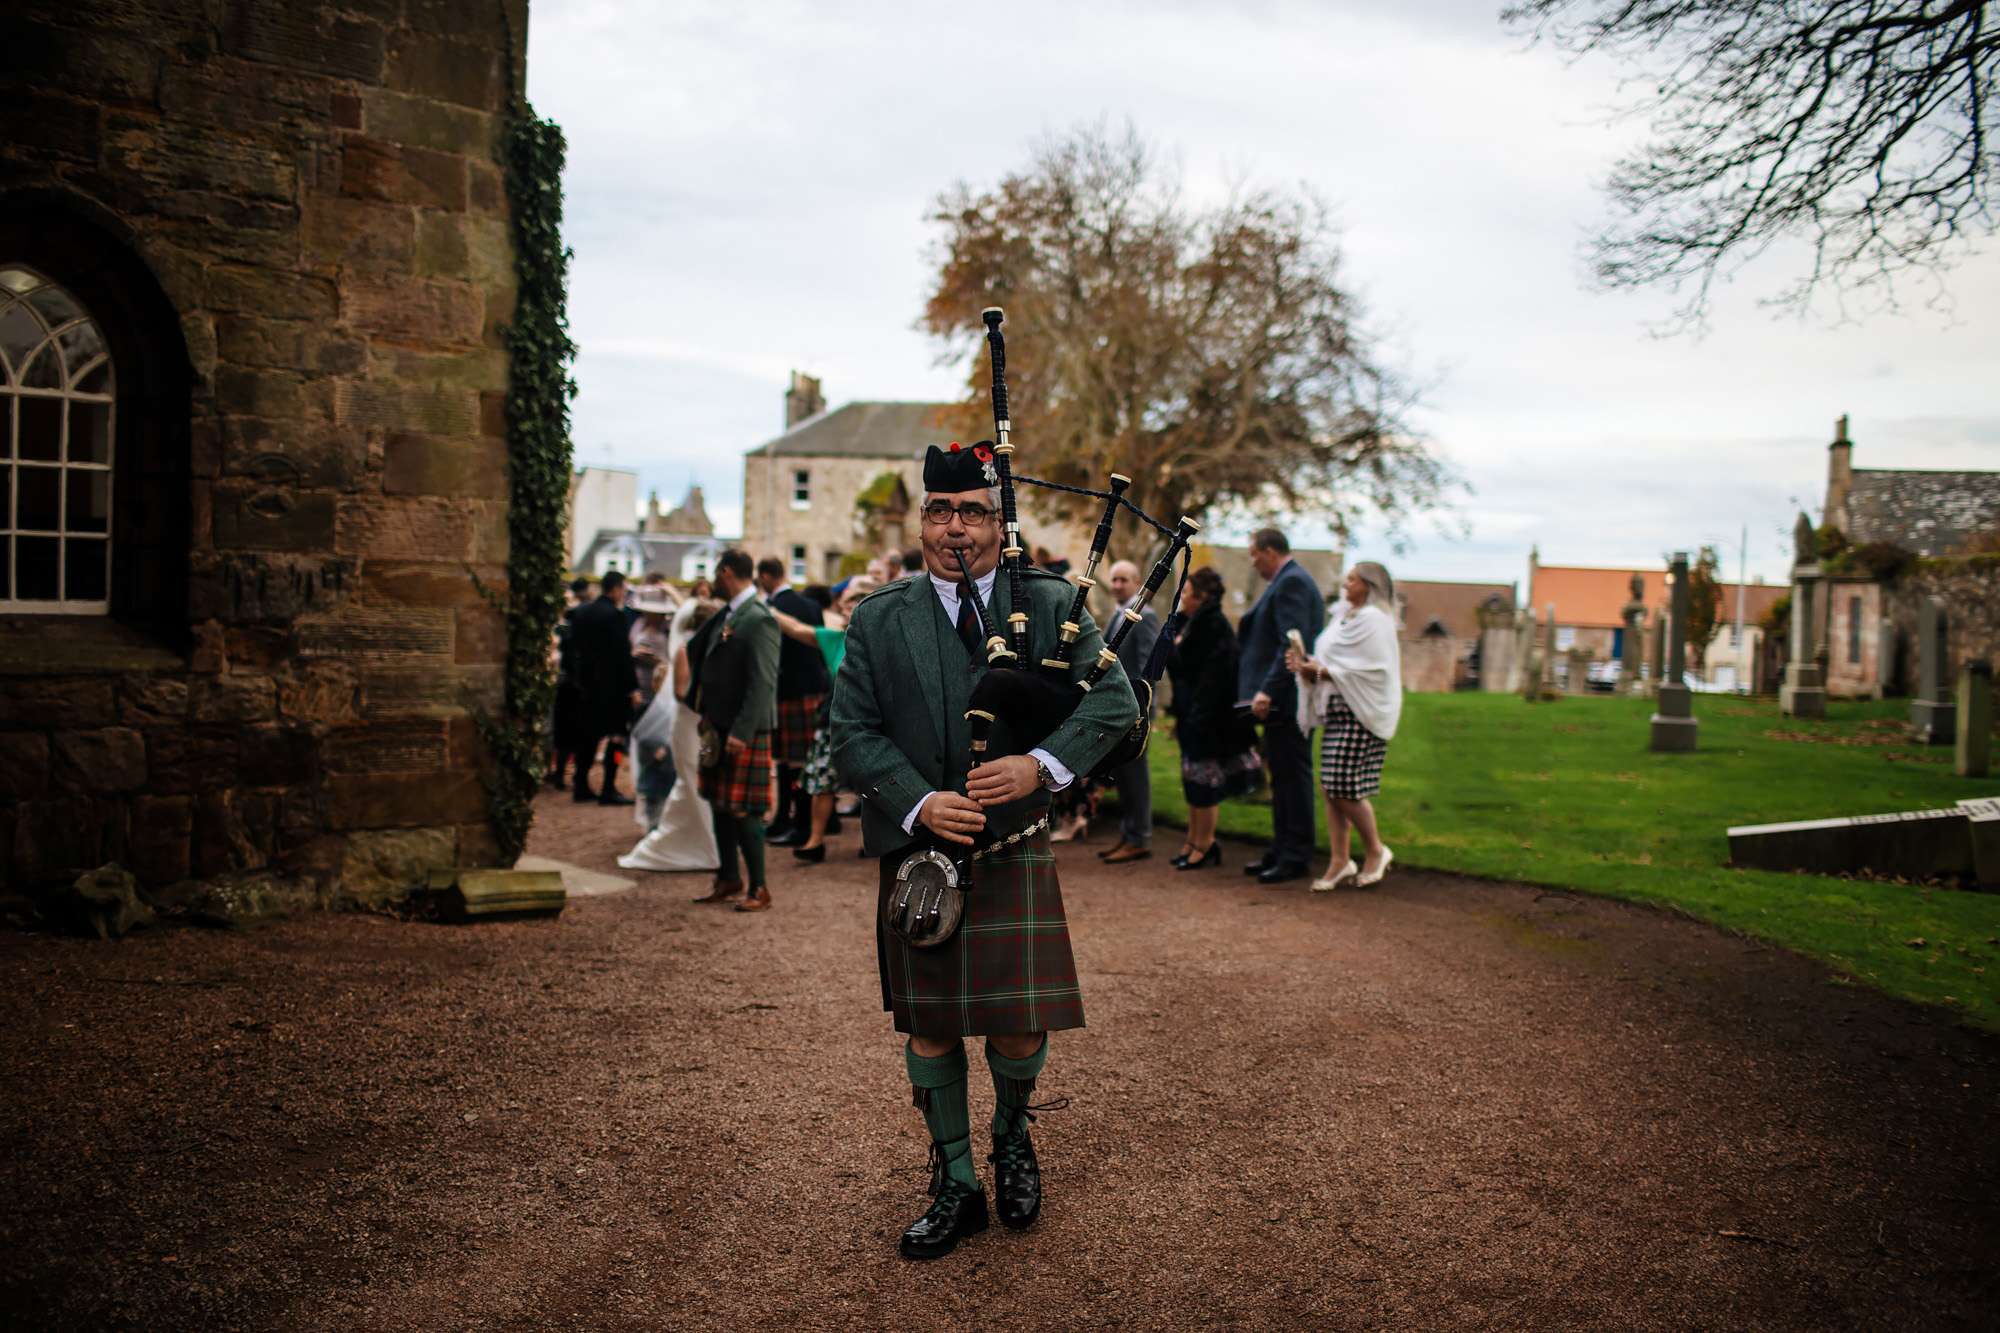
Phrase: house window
(1565,638)
(801,489)
(56,402)
(798,563)
(1854,629)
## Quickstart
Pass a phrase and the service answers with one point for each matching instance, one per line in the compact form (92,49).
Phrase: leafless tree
(1210,354)
(1858,128)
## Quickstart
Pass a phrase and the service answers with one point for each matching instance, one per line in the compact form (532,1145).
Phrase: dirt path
(1444,1104)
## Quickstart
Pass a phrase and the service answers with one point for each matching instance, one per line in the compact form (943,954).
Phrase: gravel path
(1442,1104)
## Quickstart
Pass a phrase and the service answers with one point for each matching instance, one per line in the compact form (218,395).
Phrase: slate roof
(663,551)
(873,430)
(1930,513)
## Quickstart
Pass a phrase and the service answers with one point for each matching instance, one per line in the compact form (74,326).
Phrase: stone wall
(1854,667)
(312,195)
(1970,591)
(826,528)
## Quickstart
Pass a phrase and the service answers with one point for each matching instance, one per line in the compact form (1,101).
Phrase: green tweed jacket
(899,703)
(753,624)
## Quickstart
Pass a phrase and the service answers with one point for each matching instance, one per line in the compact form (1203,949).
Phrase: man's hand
(1260,706)
(637,698)
(737,745)
(952,817)
(999,781)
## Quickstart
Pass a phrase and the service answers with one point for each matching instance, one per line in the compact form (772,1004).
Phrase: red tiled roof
(1589,596)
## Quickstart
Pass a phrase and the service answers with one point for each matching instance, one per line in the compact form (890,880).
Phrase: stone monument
(1632,654)
(1531,660)
(1932,711)
(1657,642)
(1804,692)
(1974,755)
(1959,844)
(1673,721)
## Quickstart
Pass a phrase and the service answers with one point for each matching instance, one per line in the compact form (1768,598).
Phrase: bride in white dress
(684,839)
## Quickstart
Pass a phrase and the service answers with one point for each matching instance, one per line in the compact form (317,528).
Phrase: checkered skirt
(1350,755)
(819,778)
(740,784)
(798,721)
(1008,967)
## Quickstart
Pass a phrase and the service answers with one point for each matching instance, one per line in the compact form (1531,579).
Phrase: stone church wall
(291,219)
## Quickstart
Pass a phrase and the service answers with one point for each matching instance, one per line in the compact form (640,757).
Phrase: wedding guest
(1218,740)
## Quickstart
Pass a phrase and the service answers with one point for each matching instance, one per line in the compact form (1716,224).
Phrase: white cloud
(747,190)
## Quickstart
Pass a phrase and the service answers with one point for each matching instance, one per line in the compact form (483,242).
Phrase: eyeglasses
(973,515)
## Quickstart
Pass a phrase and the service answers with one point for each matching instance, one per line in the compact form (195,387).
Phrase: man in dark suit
(802,687)
(601,640)
(1134,780)
(1290,601)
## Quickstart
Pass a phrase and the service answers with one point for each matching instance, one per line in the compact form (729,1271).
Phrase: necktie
(968,631)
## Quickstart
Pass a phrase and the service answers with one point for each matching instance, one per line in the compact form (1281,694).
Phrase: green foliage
(1704,605)
(539,389)
(1884,561)
(1830,541)
(1777,618)
(1570,796)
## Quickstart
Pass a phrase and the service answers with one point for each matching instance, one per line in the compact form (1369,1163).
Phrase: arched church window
(56,403)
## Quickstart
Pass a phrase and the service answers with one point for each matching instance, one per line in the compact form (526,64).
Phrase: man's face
(770,583)
(1265,561)
(728,584)
(1124,581)
(616,596)
(980,542)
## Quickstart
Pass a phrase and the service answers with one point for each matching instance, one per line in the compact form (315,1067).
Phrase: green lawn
(1567,794)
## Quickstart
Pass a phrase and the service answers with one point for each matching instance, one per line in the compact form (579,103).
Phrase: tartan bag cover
(798,720)
(1008,967)
(740,784)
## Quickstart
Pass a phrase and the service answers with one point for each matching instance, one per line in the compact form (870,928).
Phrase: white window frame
(798,563)
(802,488)
(1565,638)
(20,282)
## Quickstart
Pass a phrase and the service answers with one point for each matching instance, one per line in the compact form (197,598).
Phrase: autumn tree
(1210,353)
(1862,129)
(1704,607)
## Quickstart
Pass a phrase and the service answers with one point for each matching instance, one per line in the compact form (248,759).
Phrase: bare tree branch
(1858,127)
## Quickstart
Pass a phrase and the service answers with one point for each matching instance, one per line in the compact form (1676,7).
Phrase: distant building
(1872,598)
(800,489)
(680,543)
(1439,625)
(601,499)
(1588,604)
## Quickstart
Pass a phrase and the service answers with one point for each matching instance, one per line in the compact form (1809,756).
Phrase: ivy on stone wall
(539,389)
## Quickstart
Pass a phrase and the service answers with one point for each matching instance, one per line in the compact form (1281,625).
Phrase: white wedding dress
(684,839)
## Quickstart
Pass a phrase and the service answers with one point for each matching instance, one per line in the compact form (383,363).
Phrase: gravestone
(1983,827)
(1632,652)
(1911,844)
(1932,712)
(1673,719)
(1804,692)
(1531,658)
(1658,643)
(1973,757)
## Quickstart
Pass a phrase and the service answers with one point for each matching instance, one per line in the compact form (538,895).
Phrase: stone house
(1891,538)
(800,489)
(254,265)
(1440,629)
(680,543)
(601,499)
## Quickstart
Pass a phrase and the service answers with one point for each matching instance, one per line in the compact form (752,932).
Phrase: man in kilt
(738,696)
(802,687)
(900,739)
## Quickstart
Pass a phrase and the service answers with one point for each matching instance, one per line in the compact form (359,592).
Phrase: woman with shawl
(683,838)
(1353,685)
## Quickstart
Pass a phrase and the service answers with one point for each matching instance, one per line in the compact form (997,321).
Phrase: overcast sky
(747,187)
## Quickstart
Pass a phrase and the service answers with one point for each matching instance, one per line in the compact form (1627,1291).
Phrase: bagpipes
(1034,698)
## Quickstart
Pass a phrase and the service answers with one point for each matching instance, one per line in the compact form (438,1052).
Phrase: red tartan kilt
(740,784)
(1008,967)
(792,739)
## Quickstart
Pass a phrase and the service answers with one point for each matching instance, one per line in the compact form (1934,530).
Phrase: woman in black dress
(1218,740)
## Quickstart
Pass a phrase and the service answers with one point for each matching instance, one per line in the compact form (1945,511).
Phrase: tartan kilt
(798,720)
(740,784)
(1008,967)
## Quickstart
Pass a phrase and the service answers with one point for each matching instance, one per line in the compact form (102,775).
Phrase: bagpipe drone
(1034,697)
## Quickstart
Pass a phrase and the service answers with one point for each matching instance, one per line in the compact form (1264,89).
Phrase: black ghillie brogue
(1017,1181)
(958,1211)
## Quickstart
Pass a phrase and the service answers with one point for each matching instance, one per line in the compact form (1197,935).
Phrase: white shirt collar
(775,591)
(749,591)
(947,590)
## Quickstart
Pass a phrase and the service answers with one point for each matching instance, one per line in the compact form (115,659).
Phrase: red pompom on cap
(954,446)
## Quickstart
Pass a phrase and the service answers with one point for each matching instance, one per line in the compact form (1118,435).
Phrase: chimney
(1839,477)
(652,523)
(802,399)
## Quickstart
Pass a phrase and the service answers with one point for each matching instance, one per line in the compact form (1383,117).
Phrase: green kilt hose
(798,720)
(1007,968)
(740,784)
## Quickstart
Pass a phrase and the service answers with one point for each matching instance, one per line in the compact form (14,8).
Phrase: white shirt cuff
(910,820)
(1062,775)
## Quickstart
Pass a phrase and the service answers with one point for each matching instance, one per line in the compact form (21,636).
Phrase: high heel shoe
(1211,857)
(1181,857)
(812,854)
